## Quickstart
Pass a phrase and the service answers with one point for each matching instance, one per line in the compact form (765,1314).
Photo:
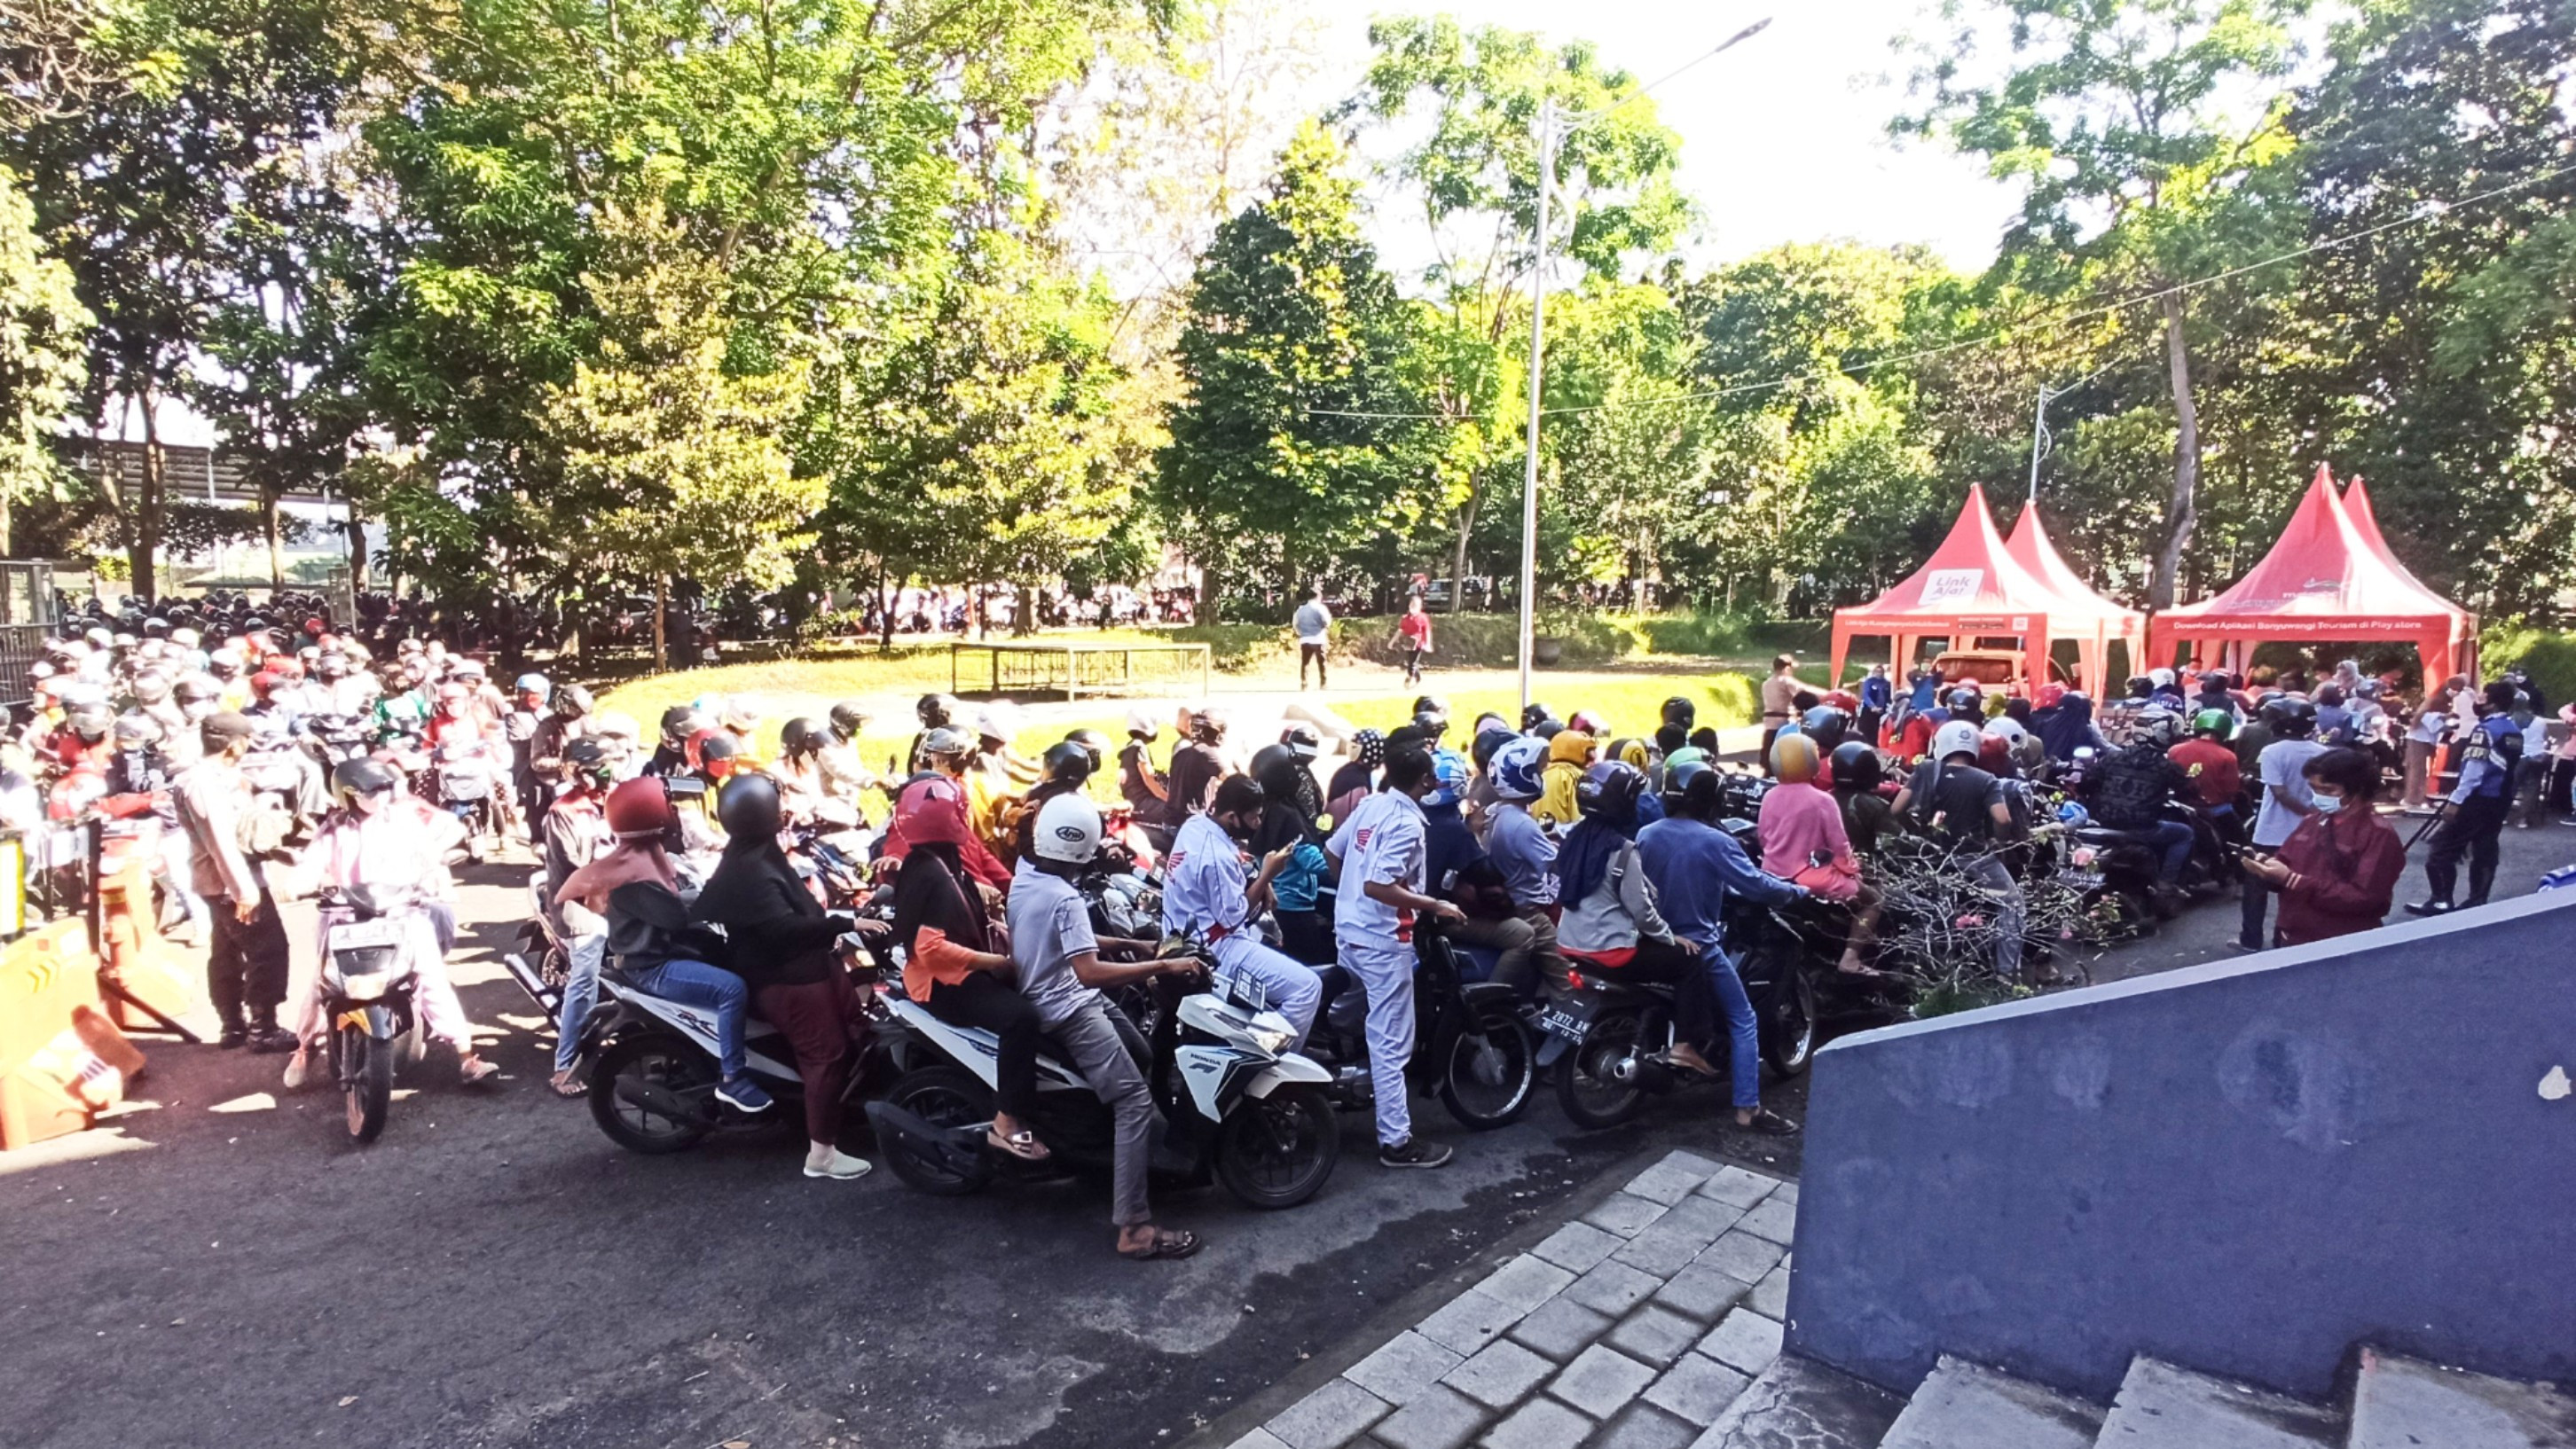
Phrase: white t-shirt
(2283,763)
(1381,841)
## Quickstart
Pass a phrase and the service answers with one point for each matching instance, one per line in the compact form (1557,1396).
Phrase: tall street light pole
(1548,135)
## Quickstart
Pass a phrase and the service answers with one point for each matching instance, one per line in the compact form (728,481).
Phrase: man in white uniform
(1379,852)
(1208,895)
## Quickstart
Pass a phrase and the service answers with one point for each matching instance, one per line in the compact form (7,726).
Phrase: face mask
(2329,804)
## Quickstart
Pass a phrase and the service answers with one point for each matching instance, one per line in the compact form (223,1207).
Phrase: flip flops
(1174,1243)
(1022,1144)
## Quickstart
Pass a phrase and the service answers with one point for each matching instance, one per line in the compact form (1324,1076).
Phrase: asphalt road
(221,1267)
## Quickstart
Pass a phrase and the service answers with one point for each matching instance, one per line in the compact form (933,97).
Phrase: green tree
(677,454)
(1292,441)
(1474,173)
(41,326)
(2114,116)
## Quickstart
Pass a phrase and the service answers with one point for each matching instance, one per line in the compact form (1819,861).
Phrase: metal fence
(26,617)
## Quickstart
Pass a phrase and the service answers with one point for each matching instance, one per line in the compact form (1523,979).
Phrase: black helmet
(1094,744)
(802,735)
(1269,758)
(2298,718)
(1533,714)
(1610,788)
(587,756)
(749,805)
(1680,711)
(678,723)
(933,709)
(848,718)
(1067,763)
(359,775)
(2275,711)
(572,701)
(1432,722)
(714,745)
(1857,767)
(2140,686)
(1430,704)
(1302,740)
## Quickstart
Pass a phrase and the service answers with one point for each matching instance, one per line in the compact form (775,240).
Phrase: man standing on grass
(1314,629)
(1413,638)
(1779,700)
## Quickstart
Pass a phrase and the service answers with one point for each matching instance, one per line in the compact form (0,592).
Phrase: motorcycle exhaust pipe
(654,1097)
(954,1148)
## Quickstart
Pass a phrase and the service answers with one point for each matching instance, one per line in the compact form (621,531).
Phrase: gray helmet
(134,731)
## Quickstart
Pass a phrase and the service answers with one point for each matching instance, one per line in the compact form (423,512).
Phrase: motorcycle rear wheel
(1488,1073)
(1277,1151)
(368,1065)
(945,1097)
(1789,1032)
(665,1062)
(1591,1098)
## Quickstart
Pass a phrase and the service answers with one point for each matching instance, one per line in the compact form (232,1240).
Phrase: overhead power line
(2061,316)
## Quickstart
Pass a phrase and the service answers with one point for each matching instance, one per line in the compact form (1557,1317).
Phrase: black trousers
(2471,831)
(246,963)
(1696,1014)
(982,1000)
(1314,652)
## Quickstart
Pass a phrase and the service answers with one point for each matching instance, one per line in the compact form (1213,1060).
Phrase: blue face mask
(2328,804)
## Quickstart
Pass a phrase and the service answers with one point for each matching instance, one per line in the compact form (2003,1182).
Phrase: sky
(1783,137)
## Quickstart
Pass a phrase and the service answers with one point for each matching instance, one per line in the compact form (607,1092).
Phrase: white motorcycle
(371,945)
(1240,1107)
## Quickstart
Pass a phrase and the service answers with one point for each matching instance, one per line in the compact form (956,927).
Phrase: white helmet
(2007,729)
(2161,676)
(999,720)
(1958,737)
(1067,830)
(1142,722)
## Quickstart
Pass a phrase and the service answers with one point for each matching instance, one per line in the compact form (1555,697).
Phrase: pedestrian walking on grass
(1413,638)
(1313,627)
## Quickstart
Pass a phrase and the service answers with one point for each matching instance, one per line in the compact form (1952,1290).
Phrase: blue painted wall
(2243,1168)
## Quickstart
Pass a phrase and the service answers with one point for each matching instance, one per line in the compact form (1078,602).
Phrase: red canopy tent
(2092,620)
(1970,588)
(2330,575)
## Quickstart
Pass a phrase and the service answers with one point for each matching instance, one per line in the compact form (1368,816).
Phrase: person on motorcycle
(785,947)
(197,695)
(2209,766)
(1141,785)
(622,740)
(1210,896)
(1692,866)
(1613,922)
(1057,956)
(954,966)
(1868,818)
(1804,842)
(1198,763)
(936,712)
(845,776)
(1354,781)
(1381,854)
(2129,789)
(1290,802)
(1522,851)
(1953,801)
(576,832)
(343,691)
(942,793)
(82,741)
(680,724)
(1569,755)
(799,768)
(370,842)
(140,768)
(151,696)
(1461,872)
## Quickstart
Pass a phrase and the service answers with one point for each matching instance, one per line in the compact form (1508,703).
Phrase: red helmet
(639,807)
(2048,695)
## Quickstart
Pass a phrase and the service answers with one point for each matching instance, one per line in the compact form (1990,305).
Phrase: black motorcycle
(1475,1042)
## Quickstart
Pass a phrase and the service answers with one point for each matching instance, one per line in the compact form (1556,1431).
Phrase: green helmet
(2218,724)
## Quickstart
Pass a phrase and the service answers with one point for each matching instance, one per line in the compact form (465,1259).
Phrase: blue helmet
(1519,769)
(1449,770)
(536,684)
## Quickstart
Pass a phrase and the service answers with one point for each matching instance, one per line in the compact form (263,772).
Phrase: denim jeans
(1743,1033)
(580,993)
(2172,840)
(695,983)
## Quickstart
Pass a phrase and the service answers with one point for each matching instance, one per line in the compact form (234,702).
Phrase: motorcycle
(1476,1042)
(467,784)
(1242,1109)
(368,974)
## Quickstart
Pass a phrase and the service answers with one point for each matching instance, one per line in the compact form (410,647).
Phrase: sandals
(569,1087)
(475,1070)
(1769,1124)
(1172,1243)
(1022,1144)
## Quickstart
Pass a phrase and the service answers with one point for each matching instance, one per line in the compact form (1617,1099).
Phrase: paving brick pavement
(1632,1327)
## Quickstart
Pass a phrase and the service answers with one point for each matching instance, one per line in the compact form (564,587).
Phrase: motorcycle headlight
(1273,1040)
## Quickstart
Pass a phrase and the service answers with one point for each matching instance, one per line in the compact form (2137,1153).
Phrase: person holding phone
(2337,873)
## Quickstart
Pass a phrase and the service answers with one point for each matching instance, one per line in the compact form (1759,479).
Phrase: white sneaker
(842,1168)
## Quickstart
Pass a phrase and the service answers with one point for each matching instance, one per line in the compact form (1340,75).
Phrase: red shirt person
(2337,873)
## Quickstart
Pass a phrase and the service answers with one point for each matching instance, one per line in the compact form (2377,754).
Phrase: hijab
(1584,859)
(930,891)
(1293,803)
(2068,727)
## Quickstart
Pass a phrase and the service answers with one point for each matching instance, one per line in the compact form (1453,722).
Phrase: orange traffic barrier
(52,1079)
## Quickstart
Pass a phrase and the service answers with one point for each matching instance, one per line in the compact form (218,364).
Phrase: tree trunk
(276,550)
(143,528)
(357,535)
(661,622)
(2181,511)
(885,610)
(1458,556)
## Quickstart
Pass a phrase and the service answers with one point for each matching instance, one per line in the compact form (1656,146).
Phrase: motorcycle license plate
(1558,1022)
(358,935)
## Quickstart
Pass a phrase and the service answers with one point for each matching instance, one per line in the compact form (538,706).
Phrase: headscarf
(2067,727)
(1293,802)
(625,863)
(930,891)
(1585,857)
